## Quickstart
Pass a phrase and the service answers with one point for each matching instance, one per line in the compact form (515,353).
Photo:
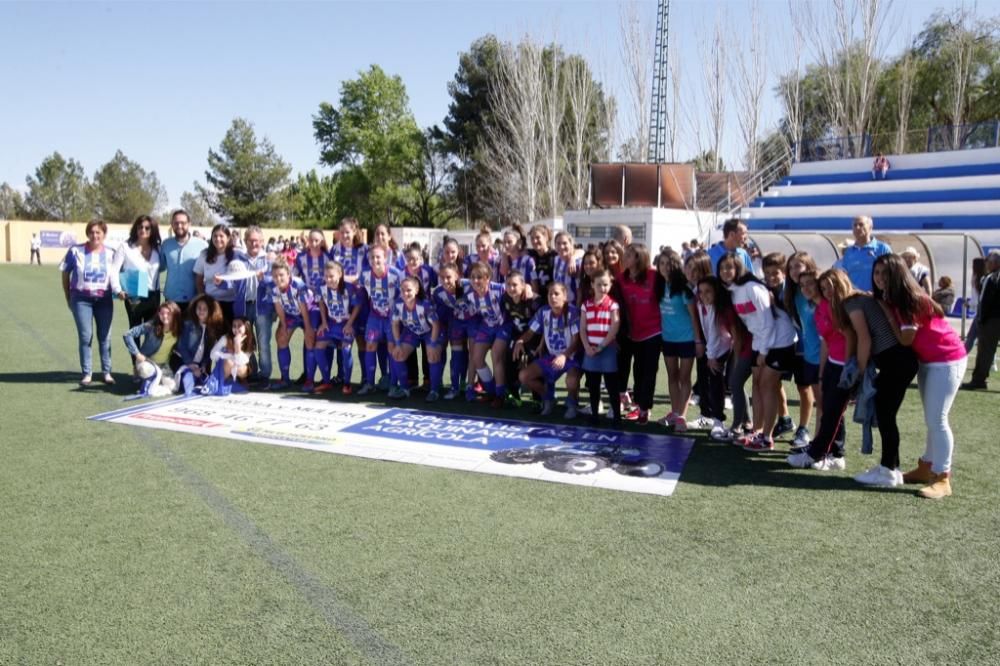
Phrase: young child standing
(599,321)
(715,314)
(415,322)
(340,305)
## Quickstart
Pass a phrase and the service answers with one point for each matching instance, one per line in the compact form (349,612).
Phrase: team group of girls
(523,317)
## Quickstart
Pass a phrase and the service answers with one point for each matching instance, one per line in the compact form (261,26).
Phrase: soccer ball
(145,370)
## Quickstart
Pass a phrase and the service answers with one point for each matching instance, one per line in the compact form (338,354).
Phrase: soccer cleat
(783,425)
(432,396)
(830,464)
(347,390)
(452,394)
(881,477)
(398,393)
(759,443)
(323,388)
(571,411)
(939,488)
(801,437)
(470,394)
(801,460)
(366,388)
(547,407)
(922,473)
(308,386)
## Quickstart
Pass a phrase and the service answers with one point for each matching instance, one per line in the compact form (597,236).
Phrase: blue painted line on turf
(321,597)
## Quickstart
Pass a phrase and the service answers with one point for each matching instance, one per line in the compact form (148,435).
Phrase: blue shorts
(292,323)
(486,334)
(461,329)
(552,375)
(335,333)
(679,349)
(410,338)
(379,328)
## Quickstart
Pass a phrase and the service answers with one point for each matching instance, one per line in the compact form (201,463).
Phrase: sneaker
(830,464)
(631,414)
(702,423)
(584,409)
(366,388)
(802,460)
(881,477)
(432,396)
(680,425)
(667,421)
(547,407)
(783,425)
(802,437)
(452,394)
(347,390)
(759,443)
(643,417)
(974,386)
(383,383)
(323,388)
(720,434)
(398,393)
(743,436)
(571,411)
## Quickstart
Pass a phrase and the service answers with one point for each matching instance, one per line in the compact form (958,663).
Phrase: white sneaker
(801,437)
(830,464)
(720,433)
(695,399)
(729,403)
(702,423)
(881,477)
(801,460)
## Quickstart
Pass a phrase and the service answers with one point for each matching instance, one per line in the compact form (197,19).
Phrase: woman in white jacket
(774,351)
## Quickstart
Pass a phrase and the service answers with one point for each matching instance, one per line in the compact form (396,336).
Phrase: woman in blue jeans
(86,280)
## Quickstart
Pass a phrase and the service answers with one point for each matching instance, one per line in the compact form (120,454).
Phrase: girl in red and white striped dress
(599,320)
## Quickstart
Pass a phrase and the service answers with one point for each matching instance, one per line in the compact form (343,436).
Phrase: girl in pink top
(919,323)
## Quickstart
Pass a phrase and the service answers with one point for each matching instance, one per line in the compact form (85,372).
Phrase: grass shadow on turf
(47,377)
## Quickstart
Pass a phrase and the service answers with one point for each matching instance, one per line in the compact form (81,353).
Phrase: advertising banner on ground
(596,457)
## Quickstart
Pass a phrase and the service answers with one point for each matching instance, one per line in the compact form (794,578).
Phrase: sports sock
(284,362)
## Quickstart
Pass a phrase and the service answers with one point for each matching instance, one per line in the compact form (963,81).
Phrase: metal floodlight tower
(658,106)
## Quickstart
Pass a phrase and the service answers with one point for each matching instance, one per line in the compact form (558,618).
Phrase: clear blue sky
(163,81)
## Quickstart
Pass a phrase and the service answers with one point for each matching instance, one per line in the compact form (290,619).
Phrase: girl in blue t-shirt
(802,310)
(682,338)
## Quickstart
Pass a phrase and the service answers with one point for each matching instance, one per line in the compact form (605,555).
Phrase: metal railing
(968,136)
(739,189)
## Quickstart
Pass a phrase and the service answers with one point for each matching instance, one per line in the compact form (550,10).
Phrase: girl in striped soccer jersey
(381,284)
(516,258)
(490,335)
(566,267)
(339,306)
(484,253)
(415,322)
(383,239)
(351,253)
(559,325)
(450,253)
(292,299)
(310,267)
(427,277)
(454,307)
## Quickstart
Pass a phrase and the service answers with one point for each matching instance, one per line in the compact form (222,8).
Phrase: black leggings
(713,385)
(594,387)
(897,366)
(626,354)
(647,362)
(830,436)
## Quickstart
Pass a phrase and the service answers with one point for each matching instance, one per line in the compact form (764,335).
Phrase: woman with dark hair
(681,334)
(919,323)
(139,258)
(212,263)
(638,289)
(203,326)
(86,280)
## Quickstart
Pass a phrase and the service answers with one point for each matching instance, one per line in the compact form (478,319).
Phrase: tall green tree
(246,178)
(58,191)
(314,200)
(428,201)
(11,203)
(122,190)
(197,211)
(372,135)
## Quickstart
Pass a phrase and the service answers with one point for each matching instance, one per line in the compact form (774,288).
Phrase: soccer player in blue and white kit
(559,324)
(516,257)
(462,320)
(381,284)
(566,268)
(415,267)
(292,299)
(310,267)
(415,321)
(351,252)
(491,334)
(484,253)
(340,304)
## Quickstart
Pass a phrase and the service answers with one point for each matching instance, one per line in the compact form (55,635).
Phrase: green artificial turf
(133,546)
